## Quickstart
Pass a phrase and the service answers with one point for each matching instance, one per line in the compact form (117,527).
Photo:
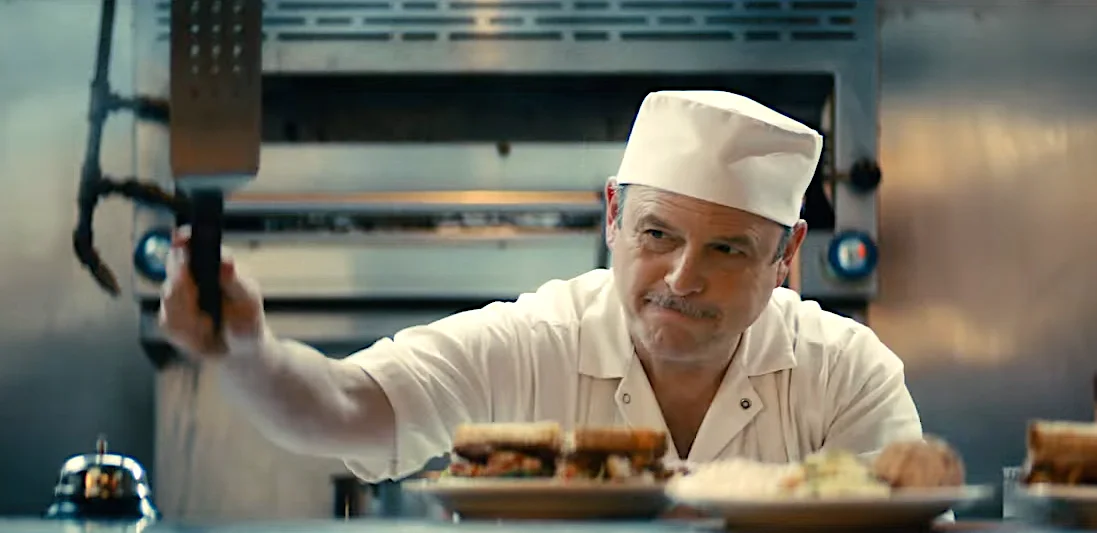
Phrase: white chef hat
(723,148)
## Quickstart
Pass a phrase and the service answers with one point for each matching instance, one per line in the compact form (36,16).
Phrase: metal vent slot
(762,36)
(494,6)
(602,21)
(672,21)
(335,36)
(766,6)
(825,4)
(677,36)
(666,5)
(342,6)
(588,21)
(507,36)
(418,21)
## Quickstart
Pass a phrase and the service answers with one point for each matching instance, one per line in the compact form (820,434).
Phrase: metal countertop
(426,526)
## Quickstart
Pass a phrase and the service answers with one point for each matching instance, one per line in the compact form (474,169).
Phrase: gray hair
(782,245)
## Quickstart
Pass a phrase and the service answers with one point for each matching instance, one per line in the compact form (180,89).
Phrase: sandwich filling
(613,466)
(506,450)
(539,451)
(616,454)
(486,460)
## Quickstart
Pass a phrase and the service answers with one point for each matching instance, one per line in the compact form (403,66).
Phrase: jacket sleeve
(474,366)
(868,404)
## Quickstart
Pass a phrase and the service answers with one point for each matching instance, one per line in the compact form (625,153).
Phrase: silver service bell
(102,487)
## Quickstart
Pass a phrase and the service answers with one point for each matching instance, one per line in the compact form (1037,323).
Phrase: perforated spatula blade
(216,107)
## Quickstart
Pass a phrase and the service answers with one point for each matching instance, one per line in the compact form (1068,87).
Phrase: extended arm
(308,403)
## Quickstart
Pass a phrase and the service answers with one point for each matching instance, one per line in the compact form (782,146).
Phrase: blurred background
(403,137)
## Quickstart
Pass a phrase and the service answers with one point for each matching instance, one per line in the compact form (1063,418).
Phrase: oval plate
(903,507)
(544,499)
(1071,506)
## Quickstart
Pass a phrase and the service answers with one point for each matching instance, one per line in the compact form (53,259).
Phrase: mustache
(681,305)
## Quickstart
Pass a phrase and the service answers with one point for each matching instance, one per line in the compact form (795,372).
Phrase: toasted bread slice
(1062,442)
(543,435)
(620,440)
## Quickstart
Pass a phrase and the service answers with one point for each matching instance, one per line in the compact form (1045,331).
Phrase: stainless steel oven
(421,157)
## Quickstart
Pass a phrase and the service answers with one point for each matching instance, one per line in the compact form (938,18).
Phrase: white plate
(903,507)
(1066,505)
(543,499)
(1063,493)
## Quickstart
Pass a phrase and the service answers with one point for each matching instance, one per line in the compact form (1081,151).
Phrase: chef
(689,330)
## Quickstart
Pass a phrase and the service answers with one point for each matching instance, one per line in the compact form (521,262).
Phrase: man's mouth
(678,306)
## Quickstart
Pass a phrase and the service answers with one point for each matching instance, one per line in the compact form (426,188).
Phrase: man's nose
(685,278)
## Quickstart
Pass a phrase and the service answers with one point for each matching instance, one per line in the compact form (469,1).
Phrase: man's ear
(784,264)
(613,211)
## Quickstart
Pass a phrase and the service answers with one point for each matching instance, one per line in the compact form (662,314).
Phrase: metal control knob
(864,175)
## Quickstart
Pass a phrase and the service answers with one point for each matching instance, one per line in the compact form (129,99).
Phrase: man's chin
(663,346)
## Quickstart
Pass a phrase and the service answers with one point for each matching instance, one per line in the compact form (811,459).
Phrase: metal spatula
(216,104)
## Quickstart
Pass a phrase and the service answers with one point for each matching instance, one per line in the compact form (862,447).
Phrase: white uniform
(801,379)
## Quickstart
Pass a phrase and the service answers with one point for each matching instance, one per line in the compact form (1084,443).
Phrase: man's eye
(655,234)
(726,249)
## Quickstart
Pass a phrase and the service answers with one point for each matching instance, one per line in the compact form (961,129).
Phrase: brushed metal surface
(988,121)
(324,37)
(988,137)
(418,270)
(70,366)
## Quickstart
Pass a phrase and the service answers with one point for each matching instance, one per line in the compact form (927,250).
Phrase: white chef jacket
(802,379)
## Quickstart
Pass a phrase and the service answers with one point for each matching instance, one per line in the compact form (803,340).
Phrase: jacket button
(626,398)
(744,403)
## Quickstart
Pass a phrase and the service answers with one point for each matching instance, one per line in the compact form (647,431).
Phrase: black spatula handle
(207,209)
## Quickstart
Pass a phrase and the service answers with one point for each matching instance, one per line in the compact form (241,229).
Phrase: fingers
(182,322)
(185,325)
(180,237)
(234,287)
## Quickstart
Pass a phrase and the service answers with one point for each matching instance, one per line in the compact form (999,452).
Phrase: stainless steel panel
(482,269)
(640,36)
(320,36)
(363,167)
(329,329)
(213,464)
(468,202)
(70,366)
(816,281)
(989,123)
(210,459)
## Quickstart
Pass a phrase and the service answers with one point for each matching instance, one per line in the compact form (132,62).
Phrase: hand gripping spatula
(216,104)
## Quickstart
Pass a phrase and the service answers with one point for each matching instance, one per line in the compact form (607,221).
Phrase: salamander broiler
(420,157)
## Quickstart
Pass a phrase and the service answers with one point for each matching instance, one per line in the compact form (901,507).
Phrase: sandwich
(506,450)
(615,454)
(1061,452)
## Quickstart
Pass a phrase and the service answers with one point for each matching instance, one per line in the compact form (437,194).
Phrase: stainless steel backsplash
(988,141)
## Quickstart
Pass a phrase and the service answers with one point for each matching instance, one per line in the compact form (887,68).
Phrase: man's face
(692,275)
